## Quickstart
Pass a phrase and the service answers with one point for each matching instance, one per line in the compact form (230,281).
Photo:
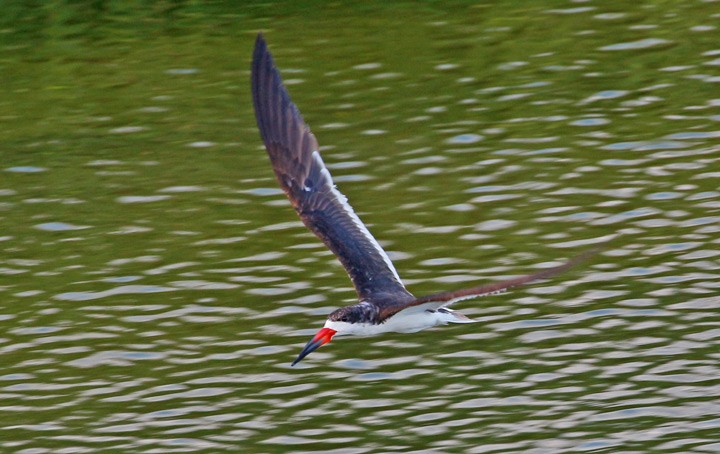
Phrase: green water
(156,284)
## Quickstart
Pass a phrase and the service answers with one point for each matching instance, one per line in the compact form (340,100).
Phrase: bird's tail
(455,316)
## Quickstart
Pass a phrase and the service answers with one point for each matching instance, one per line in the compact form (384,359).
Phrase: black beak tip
(302,355)
(309,348)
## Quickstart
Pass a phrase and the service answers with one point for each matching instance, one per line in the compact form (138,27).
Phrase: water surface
(156,284)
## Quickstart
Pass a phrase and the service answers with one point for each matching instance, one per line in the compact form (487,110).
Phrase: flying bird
(385,305)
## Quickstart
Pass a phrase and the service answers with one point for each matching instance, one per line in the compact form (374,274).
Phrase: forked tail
(455,316)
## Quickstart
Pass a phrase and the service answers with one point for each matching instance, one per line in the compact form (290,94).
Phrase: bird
(384,304)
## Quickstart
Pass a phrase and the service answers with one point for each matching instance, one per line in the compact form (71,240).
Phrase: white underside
(409,320)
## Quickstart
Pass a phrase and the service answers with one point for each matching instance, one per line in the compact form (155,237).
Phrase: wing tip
(260,54)
(275,112)
(266,86)
(260,43)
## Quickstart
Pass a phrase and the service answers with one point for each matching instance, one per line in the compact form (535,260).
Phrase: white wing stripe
(350,212)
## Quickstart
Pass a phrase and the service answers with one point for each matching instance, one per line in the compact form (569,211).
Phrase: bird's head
(340,322)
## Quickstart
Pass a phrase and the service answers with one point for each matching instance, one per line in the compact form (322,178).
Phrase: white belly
(406,321)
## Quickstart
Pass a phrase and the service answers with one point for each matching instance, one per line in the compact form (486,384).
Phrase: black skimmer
(385,305)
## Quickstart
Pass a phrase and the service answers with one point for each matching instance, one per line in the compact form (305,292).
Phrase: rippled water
(156,284)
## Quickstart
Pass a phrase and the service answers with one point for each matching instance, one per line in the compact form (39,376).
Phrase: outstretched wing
(303,176)
(438,300)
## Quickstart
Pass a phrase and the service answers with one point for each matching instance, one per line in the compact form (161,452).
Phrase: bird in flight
(385,305)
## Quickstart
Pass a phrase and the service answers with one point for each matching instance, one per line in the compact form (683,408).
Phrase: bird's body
(410,320)
(385,304)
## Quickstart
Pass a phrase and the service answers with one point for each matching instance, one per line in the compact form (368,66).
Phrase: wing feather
(438,300)
(300,170)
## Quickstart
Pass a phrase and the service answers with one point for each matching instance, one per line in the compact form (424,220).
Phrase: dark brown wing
(438,300)
(300,170)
